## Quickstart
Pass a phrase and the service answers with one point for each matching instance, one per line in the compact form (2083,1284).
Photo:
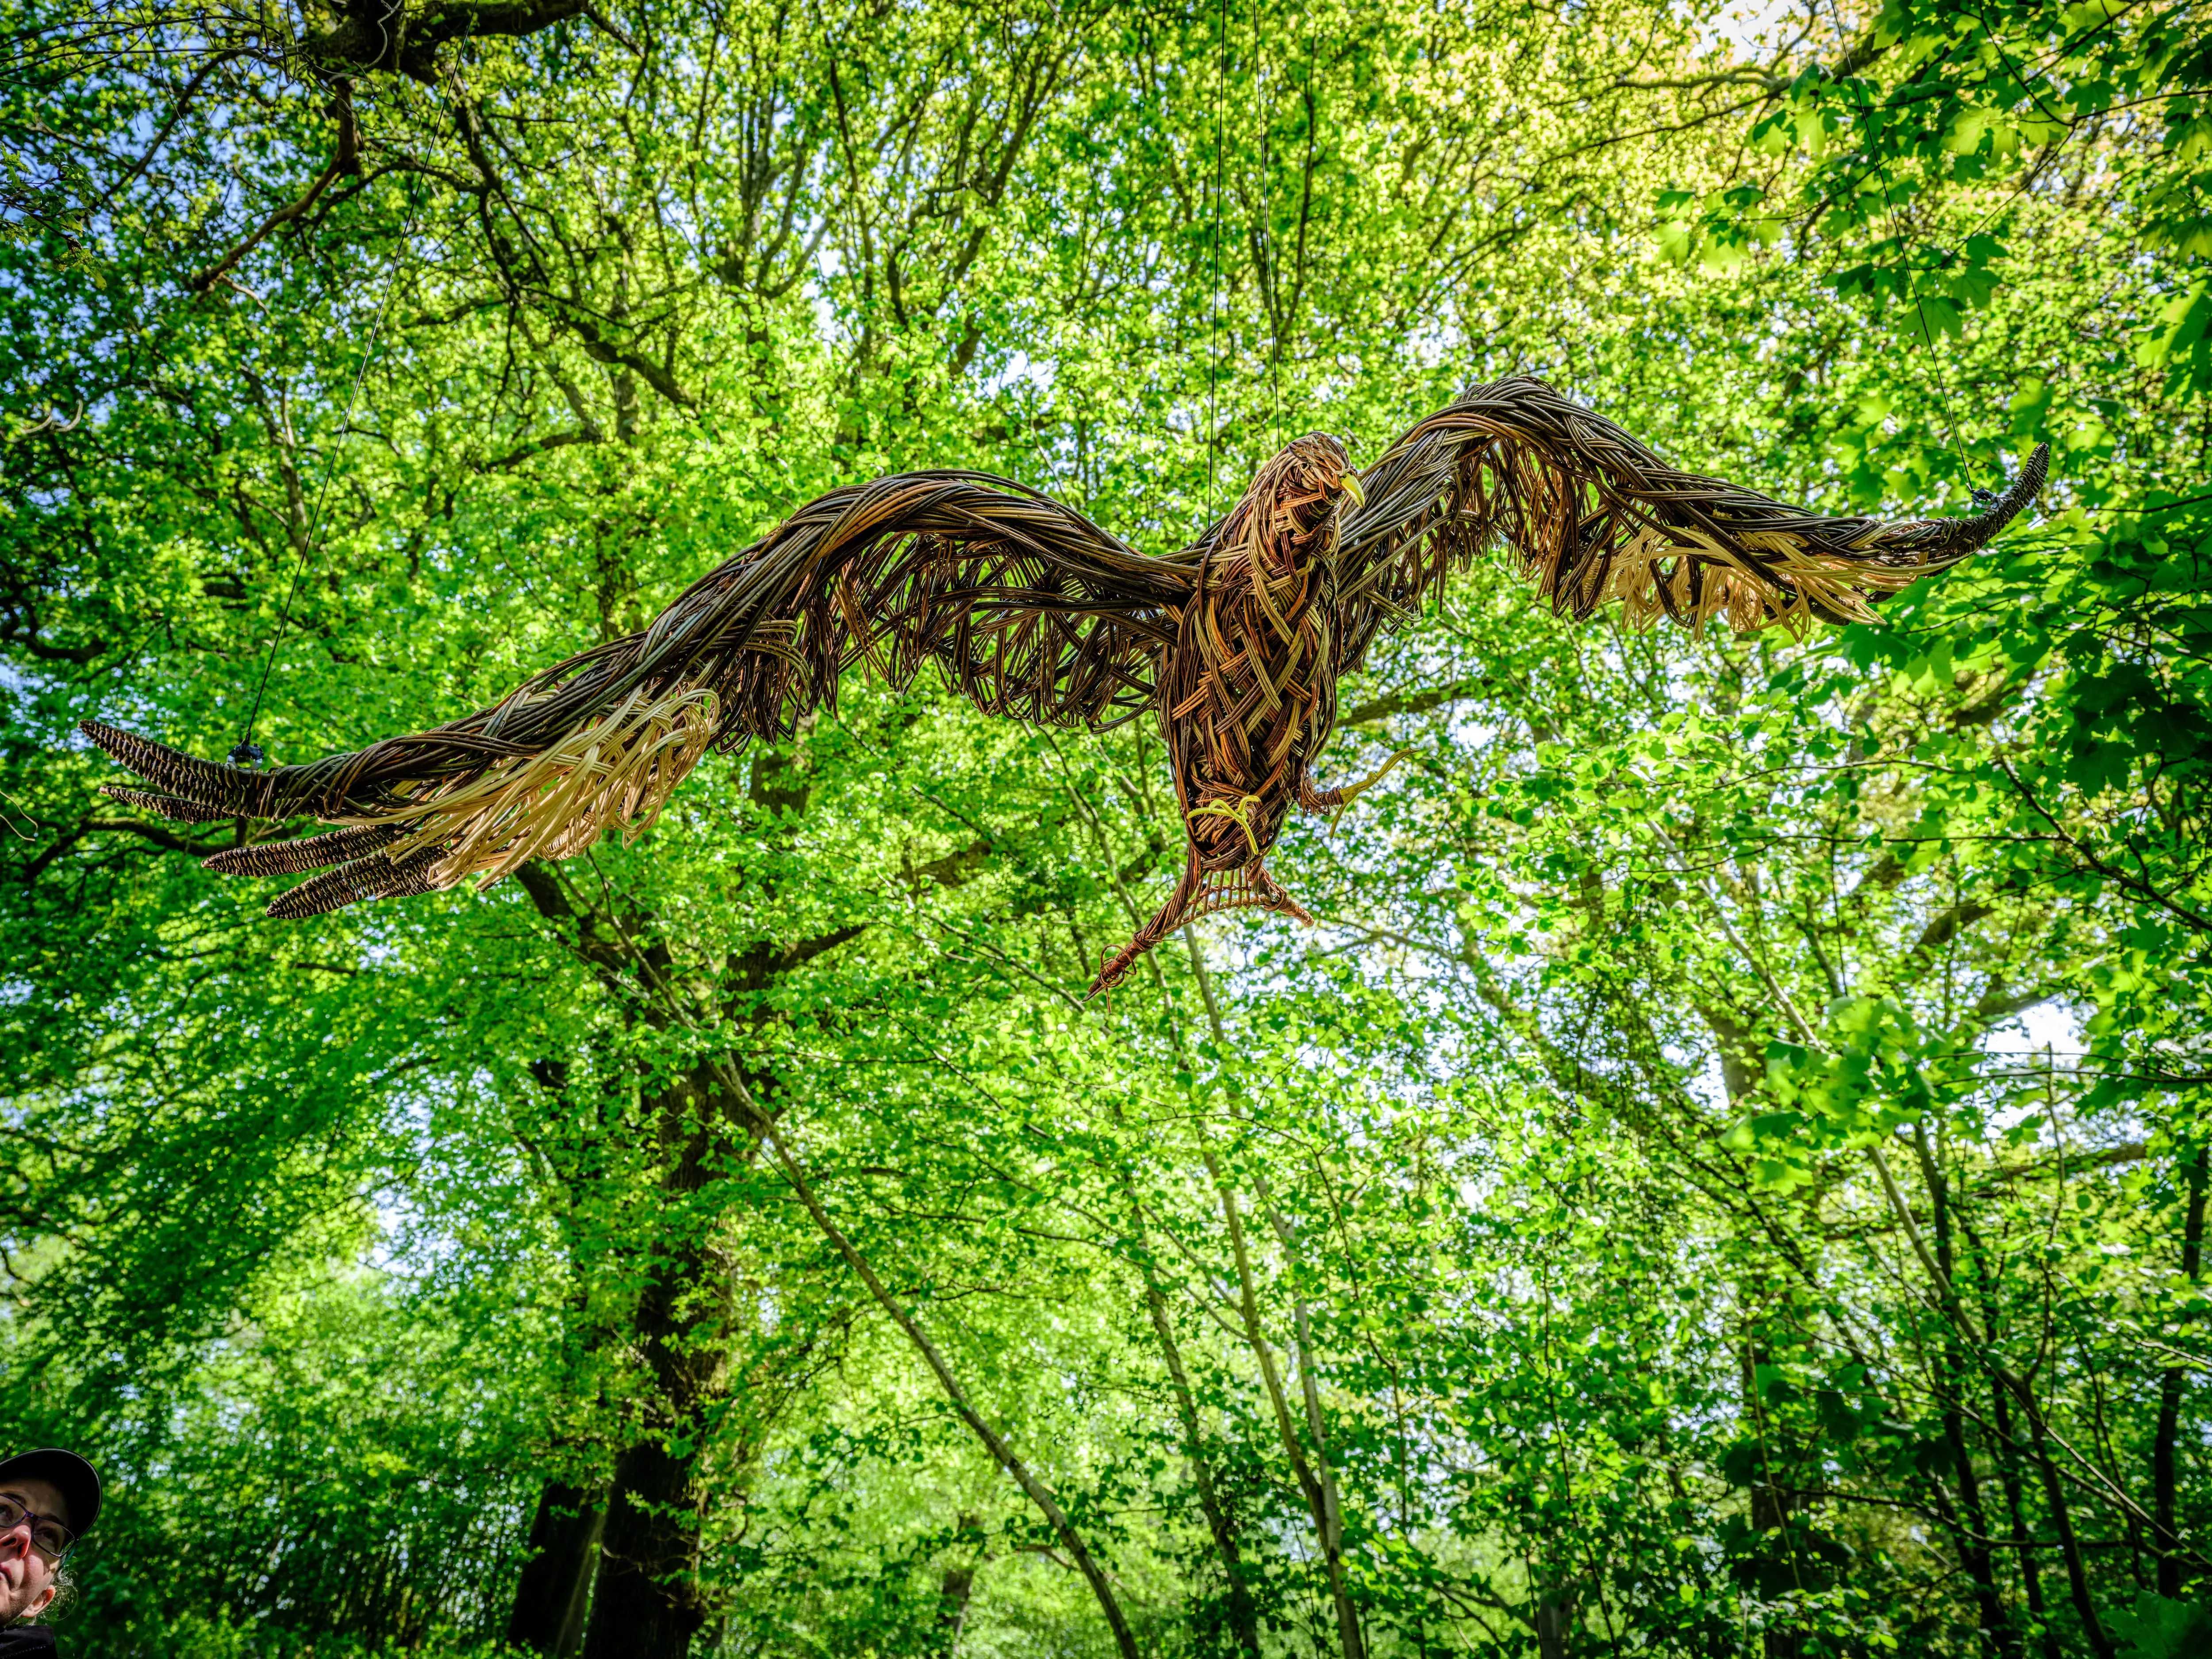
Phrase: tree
(1500,1266)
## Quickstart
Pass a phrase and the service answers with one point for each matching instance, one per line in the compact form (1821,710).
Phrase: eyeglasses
(48,1536)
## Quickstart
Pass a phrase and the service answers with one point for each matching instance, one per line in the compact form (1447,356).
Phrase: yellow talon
(1239,815)
(1351,792)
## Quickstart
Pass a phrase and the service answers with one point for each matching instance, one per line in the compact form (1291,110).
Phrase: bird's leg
(1179,904)
(1201,893)
(1269,894)
(1334,801)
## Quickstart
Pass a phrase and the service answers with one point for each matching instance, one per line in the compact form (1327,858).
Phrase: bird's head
(1299,494)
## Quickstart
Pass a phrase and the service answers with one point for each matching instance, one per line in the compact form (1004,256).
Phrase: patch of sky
(1748,32)
(1021,369)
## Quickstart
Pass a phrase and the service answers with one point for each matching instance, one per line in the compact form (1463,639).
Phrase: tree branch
(347,159)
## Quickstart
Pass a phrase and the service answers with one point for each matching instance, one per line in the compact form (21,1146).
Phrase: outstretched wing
(1026,606)
(1593,515)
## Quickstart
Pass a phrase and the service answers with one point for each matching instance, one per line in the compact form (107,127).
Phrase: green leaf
(2157,1628)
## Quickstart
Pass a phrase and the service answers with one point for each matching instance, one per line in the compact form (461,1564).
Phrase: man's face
(27,1579)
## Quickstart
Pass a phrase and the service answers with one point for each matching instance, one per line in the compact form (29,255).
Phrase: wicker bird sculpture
(1235,644)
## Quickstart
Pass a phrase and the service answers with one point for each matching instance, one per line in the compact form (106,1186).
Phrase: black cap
(65,1471)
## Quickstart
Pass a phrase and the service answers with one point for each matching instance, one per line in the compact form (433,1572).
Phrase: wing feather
(1593,515)
(1023,605)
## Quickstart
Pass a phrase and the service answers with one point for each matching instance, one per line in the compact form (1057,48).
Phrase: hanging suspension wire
(1269,282)
(1981,497)
(245,751)
(1214,294)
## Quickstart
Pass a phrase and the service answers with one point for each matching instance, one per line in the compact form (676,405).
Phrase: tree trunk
(1770,1512)
(952,1594)
(648,1604)
(2164,1474)
(1777,1558)
(1973,1536)
(2031,1570)
(1244,1618)
(1555,1625)
(2006,1451)
(1125,1639)
(555,1589)
(1319,1499)
(1317,1479)
(2069,1544)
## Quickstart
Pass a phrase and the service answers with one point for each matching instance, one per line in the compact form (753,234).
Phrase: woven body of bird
(1235,644)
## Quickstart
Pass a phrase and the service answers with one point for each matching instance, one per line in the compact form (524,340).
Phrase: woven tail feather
(378,875)
(222,792)
(175,808)
(291,858)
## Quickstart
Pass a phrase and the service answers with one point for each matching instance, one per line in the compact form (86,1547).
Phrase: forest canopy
(1724,1172)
